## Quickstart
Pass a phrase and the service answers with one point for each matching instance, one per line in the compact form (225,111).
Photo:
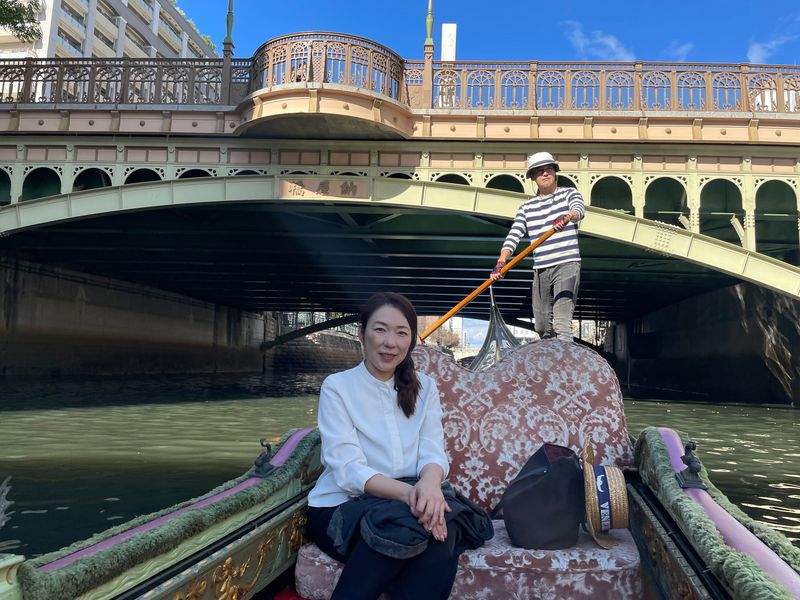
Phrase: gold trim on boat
(308,475)
(228,589)
(197,589)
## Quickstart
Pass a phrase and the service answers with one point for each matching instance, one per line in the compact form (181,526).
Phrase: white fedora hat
(540,159)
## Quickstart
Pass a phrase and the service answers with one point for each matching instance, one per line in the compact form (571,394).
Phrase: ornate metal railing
(358,62)
(112,81)
(613,87)
(328,58)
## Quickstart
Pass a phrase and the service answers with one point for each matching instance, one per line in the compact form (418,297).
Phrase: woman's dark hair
(406,382)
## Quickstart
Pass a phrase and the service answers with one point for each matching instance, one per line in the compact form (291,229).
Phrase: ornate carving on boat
(226,576)
(661,557)
(195,591)
(309,475)
(298,526)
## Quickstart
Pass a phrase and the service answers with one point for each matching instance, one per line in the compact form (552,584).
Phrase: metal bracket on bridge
(689,478)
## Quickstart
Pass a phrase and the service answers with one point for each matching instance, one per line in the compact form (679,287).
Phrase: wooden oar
(507,267)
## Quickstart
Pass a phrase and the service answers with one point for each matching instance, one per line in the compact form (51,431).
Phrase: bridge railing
(111,81)
(361,63)
(610,86)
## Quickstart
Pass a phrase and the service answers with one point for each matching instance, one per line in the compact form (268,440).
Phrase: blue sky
(699,31)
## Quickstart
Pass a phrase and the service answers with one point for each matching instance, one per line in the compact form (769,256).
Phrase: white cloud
(475,331)
(759,52)
(678,51)
(597,45)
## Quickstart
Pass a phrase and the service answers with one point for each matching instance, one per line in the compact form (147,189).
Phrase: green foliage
(207,40)
(21,17)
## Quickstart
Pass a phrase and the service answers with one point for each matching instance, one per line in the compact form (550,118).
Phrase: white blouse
(364,432)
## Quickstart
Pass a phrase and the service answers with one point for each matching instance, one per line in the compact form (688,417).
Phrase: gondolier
(557,261)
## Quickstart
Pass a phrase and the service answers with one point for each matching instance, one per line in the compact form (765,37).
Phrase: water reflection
(85,456)
(750,453)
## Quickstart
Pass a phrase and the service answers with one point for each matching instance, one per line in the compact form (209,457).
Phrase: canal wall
(324,351)
(59,322)
(738,344)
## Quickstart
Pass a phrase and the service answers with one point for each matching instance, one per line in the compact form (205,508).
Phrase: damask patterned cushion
(547,391)
(498,570)
(494,420)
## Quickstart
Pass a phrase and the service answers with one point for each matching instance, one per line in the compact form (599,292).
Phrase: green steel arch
(653,236)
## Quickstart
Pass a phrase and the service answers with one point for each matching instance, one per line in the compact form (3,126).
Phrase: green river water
(87,455)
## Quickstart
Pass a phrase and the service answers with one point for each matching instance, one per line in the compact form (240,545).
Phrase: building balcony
(69,47)
(72,25)
(79,6)
(143,9)
(109,26)
(134,50)
(102,49)
(169,36)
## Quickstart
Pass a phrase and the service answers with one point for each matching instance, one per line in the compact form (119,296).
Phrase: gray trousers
(555,291)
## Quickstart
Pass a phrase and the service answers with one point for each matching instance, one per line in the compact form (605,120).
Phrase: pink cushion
(547,391)
(498,570)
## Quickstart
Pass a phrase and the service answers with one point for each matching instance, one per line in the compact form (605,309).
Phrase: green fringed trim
(92,571)
(737,571)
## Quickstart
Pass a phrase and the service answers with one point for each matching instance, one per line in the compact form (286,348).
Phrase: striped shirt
(536,216)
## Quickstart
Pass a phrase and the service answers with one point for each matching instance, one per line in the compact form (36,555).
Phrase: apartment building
(110,29)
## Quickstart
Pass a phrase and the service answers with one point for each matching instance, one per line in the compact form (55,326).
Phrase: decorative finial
(429,24)
(227,43)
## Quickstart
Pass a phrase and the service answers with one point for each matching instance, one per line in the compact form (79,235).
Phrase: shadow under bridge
(316,243)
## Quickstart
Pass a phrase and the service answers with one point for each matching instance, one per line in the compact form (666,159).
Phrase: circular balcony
(326,85)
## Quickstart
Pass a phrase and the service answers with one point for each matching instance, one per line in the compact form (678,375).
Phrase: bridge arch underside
(248,250)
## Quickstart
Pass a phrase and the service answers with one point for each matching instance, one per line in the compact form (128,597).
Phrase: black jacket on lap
(388,527)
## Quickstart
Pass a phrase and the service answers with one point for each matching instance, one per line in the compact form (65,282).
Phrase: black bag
(543,506)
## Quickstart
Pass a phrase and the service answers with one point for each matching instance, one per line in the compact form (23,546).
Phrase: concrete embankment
(54,321)
(324,352)
(738,344)
(58,322)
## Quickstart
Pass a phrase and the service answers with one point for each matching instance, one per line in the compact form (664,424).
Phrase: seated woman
(380,506)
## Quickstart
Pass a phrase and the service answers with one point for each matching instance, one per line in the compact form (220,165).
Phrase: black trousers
(367,573)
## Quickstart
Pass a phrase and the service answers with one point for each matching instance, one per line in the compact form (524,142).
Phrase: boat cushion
(547,391)
(494,420)
(499,570)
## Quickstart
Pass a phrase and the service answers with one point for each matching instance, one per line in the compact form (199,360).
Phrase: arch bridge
(313,242)
(326,167)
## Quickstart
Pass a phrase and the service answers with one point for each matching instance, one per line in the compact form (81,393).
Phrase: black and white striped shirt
(536,216)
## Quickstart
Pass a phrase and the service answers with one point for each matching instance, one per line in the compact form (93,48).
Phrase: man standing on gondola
(557,261)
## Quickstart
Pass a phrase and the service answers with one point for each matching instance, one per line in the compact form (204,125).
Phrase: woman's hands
(427,502)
